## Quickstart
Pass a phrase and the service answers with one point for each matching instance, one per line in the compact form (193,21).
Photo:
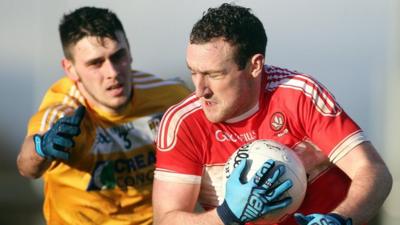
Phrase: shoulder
(284,78)
(62,92)
(172,121)
(157,93)
(60,99)
(62,85)
(300,88)
(143,80)
(172,89)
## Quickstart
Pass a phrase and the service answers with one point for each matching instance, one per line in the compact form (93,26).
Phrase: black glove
(321,219)
(55,142)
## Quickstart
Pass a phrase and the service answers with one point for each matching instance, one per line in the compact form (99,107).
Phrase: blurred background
(350,46)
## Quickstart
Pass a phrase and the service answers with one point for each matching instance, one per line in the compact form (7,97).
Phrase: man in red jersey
(239,99)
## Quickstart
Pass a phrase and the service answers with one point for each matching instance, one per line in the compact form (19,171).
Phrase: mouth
(208,103)
(116,89)
(115,86)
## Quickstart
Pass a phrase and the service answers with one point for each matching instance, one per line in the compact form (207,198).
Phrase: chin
(119,104)
(214,118)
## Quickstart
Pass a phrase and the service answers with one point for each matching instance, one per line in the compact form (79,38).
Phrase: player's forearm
(186,218)
(29,163)
(369,189)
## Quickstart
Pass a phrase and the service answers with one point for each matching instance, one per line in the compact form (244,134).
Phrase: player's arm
(30,164)
(174,203)
(39,150)
(371,184)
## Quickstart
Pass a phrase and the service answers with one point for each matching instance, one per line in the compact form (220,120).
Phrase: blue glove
(249,201)
(321,219)
(55,142)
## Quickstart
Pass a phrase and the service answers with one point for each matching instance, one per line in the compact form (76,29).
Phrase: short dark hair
(236,25)
(87,21)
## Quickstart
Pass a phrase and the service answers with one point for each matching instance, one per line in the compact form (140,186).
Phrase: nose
(111,70)
(201,85)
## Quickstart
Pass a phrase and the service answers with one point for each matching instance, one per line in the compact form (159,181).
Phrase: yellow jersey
(108,179)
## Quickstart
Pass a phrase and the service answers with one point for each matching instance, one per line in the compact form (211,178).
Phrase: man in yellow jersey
(92,137)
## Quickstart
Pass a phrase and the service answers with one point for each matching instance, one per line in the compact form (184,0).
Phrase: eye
(119,56)
(215,76)
(95,63)
(193,73)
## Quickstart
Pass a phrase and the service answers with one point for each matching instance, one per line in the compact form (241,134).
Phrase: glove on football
(249,201)
(321,219)
(55,142)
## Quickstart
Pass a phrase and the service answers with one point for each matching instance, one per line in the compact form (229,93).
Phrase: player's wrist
(37,140)
(341,219)
(227,216)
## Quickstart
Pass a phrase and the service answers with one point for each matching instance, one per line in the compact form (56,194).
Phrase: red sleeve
(176,150)
(324,121)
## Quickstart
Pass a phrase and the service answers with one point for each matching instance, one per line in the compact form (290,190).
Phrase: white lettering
(222,136)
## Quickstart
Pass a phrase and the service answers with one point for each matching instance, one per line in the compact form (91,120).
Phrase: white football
(259,151)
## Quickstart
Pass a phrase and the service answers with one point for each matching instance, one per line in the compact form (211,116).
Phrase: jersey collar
(245,115)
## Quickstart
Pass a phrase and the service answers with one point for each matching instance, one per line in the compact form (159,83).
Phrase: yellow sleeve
(61,98)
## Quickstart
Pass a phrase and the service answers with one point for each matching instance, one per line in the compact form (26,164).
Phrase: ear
(130,58)
(69,69)
(257,65)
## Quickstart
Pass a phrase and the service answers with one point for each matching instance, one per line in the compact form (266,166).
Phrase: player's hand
(249,201)
(54,144)
(321,219)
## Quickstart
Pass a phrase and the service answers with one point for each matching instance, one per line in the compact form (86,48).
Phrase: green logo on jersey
(136,171)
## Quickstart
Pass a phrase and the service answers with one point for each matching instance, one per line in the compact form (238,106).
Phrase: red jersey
(293,109)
